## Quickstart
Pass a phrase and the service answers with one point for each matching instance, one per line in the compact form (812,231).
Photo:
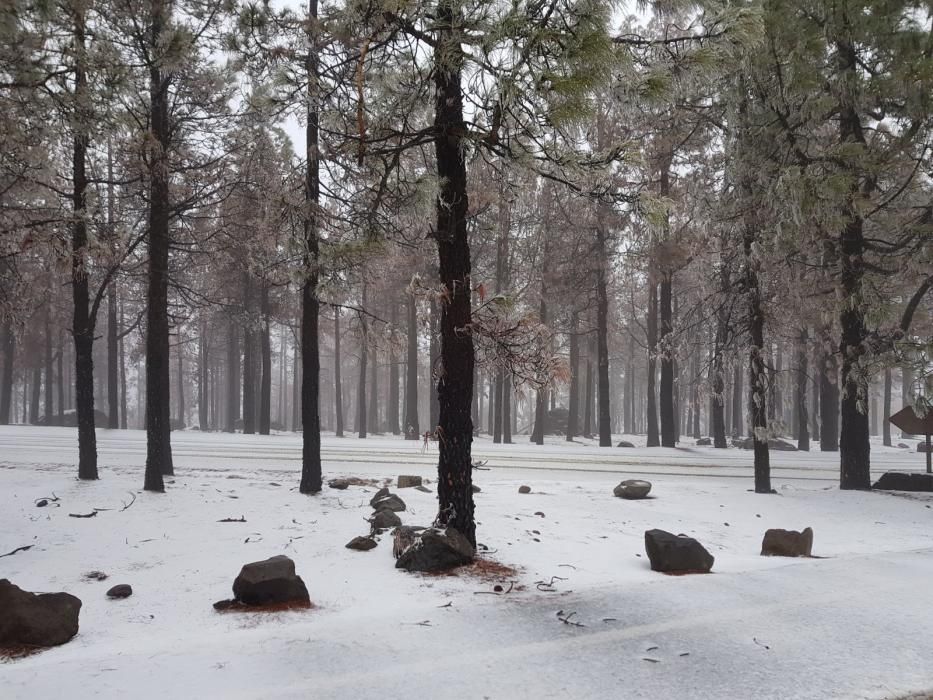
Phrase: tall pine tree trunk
(829,402)
(49,372)
(651,323)
(573,400)
(392,410)
(412,430)
(800,392)
(666,353)
(455,388)
(361,414)
(203,359)
(233,378)
(886,409)
(310,305)
(8,339)
(265,349)
(82,326)
(158,427)
(338,381)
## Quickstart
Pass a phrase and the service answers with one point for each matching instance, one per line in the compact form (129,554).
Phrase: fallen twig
(48,500)
(82,515)
(566,619)
(132,501)
(241,519)
(548,586)
(18,549)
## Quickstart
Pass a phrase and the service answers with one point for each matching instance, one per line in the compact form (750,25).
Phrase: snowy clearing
(854,624)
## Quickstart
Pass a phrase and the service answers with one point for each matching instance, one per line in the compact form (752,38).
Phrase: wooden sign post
(912,424)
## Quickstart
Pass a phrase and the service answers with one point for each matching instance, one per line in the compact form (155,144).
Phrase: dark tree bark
(694,422)
(412,430)
(800,392)
(113,360)
(181,384)
(203,360)
(49,373)
(541,405)
(265,347)
(886,409)
(233,379)
(6,381)
(249,359)
(455,388)
(631,425)
(497,406)
(372,406)
(738,412)
(434,352)
(61,380)
(82,325)
(36,393)
(666,394)
(123,405)
(651,323)
(364,360)
(158,427)
(573,401)
(717,363)
(604,419)
(757,381)
(392,415)
(310,305)
(829,403)
(338,381)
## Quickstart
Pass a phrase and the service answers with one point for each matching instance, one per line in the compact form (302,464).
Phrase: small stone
(384,519)
(524,489)
(787,543)
(408,481)
(625,443)
(339,484)
(476,489)
(632,489)
(42,503)
(704,442)
(903,446)
(121,590)
(361,544)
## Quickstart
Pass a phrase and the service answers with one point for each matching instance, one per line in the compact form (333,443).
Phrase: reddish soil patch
(233,606)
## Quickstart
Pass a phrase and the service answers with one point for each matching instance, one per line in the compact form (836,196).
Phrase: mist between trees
(522,219)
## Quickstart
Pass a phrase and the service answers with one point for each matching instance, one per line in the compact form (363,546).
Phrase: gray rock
(632,489)
(121,590)
(436,550)
(904,481)
(381,493)
(384,519)
(270,581)
(524,489)
(43,620)
(408,480)
(476,489)
(704,442)
(903,446)
(362,544)
(339,484)
(922,447)
(787,543)
(625,443)
(679,554)
(389,502)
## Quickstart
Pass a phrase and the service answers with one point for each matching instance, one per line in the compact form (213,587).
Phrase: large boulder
(904,481)
(42,620)
(678,554)
(406,481)
(436,550)
(269,582)
(787,543)
(632,489)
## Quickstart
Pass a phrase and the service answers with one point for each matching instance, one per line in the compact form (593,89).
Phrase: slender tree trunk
(36,393)
(604,419)
(122,360)
(113,376)
(455,390)
(541,406)
(886,410)
(181,385)
(310,305)
(412,431)
(61,380)
(738,412)
(666,394)
(82,327)
(158,428)
(800,392)
(249,359)
(392,415)
(265,387)
(757,380)
(573,399)
(6,381)
(829,403)
(497,406)
(233,379)
(364,359)
(338,383)
(372,407)
(203,360)
(433,407)
(49,375)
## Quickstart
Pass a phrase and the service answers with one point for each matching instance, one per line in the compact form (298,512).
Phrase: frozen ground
(856,624)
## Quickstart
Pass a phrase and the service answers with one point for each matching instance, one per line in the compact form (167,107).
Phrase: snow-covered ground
(855,624)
